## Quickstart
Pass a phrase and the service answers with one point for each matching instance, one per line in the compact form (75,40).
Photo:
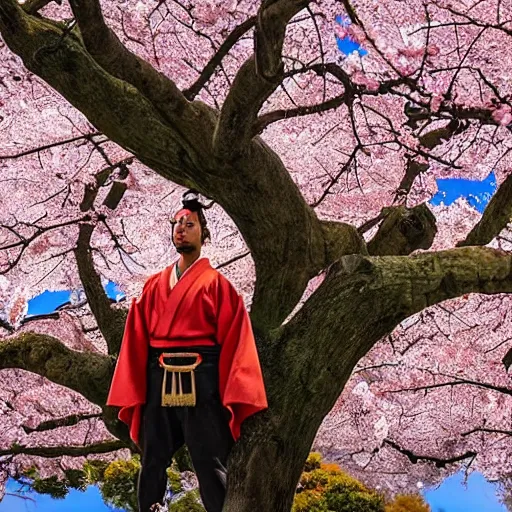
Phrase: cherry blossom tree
(380,320)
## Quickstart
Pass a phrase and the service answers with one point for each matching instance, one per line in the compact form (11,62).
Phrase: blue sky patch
(88,501)
(345,44)
(456,495)
(47,302)
(477,193)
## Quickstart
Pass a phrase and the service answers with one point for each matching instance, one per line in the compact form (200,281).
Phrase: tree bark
(84,372)
(403,231)
(110,321)
(496,217)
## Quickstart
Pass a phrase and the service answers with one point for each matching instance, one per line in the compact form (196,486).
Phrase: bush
(52,486)
(313,462)
(119,485)
(309,501)
(76,479)
(94,470)
(189,502)
(174,478)
(326,488)
(407,503)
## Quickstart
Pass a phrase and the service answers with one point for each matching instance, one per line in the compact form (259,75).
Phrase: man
(187,314)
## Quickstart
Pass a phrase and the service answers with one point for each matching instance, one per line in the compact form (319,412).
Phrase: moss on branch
(403,231)
(60,451)
(84,372)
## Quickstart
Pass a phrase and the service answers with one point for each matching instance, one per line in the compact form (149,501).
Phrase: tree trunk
(266,464)
(263,474)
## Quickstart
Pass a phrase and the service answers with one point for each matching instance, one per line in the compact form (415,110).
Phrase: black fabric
(203,428)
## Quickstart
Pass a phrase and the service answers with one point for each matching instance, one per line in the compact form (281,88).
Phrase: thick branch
(84,372)
(60,451)
(384,291)
(413,170)
(256,80)
(114,57)
(341,239)
(436,137)
(403,231)
(495,218)
(32,6)
(115,194)
(124,114)
(110,321)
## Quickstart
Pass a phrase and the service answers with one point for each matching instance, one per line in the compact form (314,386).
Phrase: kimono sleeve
(241,385)
(128,388)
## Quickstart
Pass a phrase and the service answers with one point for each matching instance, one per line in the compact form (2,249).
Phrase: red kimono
(202,309)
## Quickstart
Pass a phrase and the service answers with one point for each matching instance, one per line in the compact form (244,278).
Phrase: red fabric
(201,308)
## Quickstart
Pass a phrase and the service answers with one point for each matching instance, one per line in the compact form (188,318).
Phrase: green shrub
(353,501)
(119,485)
(309,501)
(52,486)
(189,502)
(94,470)
(408,503)
(313,461)
(326,488)
(76,479)
(174,478)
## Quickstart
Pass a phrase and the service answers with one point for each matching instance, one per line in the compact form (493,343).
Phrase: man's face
(187,232)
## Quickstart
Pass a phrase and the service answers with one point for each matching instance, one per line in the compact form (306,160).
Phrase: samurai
(188,371)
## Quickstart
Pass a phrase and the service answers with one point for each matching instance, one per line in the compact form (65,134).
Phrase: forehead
(185,215)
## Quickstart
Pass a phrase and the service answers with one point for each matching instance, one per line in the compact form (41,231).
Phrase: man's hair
(205,232)
(190,200)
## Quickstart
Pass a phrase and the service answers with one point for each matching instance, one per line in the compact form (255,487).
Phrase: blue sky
(75,501)
(477,193)
(48,302)
(454,495)
(345,44)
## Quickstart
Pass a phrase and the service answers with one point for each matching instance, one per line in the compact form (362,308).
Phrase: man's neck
(187,259)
